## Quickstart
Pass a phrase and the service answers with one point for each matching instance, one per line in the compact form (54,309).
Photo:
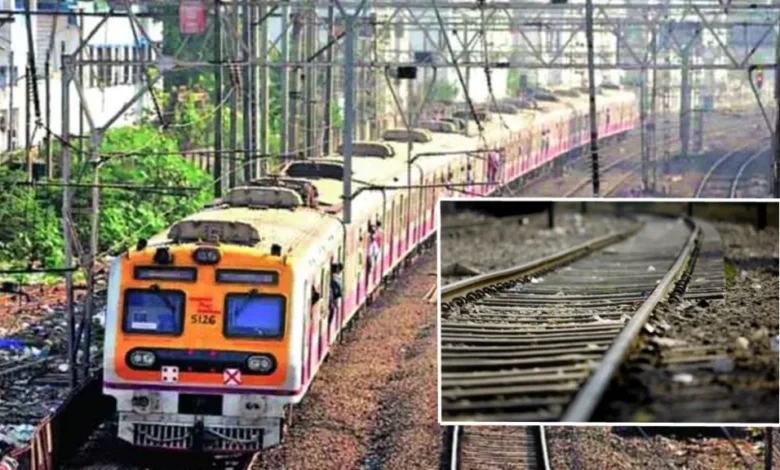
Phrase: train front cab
(197,347)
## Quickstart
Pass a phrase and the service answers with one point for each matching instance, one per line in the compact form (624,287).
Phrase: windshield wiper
(156,289)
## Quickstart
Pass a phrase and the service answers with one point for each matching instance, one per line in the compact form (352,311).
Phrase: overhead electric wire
(457,70)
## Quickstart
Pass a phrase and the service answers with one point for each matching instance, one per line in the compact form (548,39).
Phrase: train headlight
(206,255)
(263,364)
(141,358)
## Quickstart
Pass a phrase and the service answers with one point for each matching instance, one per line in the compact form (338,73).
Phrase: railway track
(496,447)
(541,341)
(728,175)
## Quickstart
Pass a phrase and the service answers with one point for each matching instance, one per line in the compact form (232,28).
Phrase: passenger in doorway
(336,289)
(378,233)
(315,296)
(469,179)
(492,159)
(373,249)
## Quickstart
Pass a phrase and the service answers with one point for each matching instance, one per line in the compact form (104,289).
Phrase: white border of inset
(574,200)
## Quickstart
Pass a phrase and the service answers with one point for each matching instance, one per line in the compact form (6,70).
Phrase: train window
(153,311)
(254,316)
(240,276)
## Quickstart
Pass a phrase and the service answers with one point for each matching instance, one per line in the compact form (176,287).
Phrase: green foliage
(139,155)
(30,231)
(127,215)
(445,91)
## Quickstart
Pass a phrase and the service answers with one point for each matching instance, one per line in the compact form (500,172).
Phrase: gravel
(596,448)
(492,243)
(373,405)
(738,336)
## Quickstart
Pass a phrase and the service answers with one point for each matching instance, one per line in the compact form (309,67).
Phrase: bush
(30,227)
(30,223)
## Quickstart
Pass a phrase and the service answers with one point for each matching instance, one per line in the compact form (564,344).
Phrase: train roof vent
(484,116)
(521,103)
(461,124)
(568,93)
(503,108)
(305,189)
(191,231)
(369,149)
(264,196)
(440,126)
(402,135)
(313,169)
(545,96)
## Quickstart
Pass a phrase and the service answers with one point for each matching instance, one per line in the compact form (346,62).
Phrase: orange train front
(205,343)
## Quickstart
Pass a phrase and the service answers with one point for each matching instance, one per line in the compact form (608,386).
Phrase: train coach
(217,327)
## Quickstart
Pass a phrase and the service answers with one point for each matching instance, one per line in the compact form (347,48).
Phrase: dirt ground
(596,448)
(490,243)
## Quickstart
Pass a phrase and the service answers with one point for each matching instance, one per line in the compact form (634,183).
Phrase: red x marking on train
(231,377)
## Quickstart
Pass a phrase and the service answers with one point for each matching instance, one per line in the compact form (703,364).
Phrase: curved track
(541,342)
(727,177)
(496,447)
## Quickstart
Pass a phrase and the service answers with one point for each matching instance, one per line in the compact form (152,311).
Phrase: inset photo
(608,311)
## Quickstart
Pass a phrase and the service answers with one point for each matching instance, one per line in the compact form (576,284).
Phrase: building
(106,87)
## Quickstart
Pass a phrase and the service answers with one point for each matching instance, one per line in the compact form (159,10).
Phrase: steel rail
(454,450)
(617,185)
(708,176)
(461,291)
(545,453)
(589,395)
(742,168)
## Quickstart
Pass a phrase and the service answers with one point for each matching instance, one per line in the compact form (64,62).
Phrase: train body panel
(298,245)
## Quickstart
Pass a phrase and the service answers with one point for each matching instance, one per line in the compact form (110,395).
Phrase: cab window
(153,311)
(254,316)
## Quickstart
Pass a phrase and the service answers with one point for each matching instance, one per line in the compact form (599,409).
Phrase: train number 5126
(203,319)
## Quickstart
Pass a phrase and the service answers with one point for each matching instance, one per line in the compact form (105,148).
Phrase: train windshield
(254,316)
(153,311)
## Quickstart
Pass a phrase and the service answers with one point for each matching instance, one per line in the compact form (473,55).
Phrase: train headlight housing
(206,255)
(264,364)
(142,359)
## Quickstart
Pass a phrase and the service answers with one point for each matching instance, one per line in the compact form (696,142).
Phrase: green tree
(445,91)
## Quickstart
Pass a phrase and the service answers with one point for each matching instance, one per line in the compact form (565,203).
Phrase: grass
(730,273)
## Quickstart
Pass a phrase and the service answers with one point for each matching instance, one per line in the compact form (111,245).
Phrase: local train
(217,327)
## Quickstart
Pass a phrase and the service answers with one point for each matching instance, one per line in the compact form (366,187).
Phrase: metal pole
(218,100)
(776,136)
(349,112)
(28,84)
(328,133)
(254,99)
(11,86)
(768,449)
(263,92)
(285,86)
(94,216)
(66,204)
(295,83)
(685,105)
(594,131)
(248,92)
(467,55)
(653,111)
(311,80)
(81,78)
(233,118)
(643,126)
(47,84)
(551,215)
